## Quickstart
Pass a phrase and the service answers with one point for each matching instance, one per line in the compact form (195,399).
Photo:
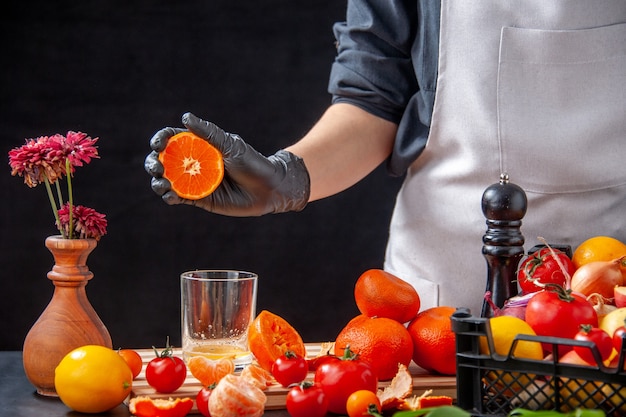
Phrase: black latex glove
(253,184)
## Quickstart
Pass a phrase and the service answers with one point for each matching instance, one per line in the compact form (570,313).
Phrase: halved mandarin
(194,167)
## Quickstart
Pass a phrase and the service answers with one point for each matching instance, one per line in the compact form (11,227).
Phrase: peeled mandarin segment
(194,167)
(210,371)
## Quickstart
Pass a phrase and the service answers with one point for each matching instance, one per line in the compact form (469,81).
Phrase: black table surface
(18,397)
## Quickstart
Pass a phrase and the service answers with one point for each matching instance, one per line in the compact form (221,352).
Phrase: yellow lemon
(92,379)
(504,329)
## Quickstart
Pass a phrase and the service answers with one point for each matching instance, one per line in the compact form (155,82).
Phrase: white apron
(533,88)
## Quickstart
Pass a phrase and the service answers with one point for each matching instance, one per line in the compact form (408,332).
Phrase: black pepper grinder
(504,205)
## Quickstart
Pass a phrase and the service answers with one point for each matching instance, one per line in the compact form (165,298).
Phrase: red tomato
(618,336)
(202,400)
(542,266)
(362,403)
(307,400)
(133,359)
(340,378)
(559,313)
(166,373)
(316,362)
(157,407)
(599,337)
(289,369)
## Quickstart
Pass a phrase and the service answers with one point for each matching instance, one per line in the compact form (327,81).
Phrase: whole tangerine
(379,293)
(382,342)
(434,342)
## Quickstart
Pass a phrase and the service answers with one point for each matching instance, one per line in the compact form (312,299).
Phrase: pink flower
(88,223)
(47,159)
(32,161)
(77,147)
(45,156)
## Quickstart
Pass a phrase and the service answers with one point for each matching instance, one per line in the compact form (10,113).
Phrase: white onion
(598,277)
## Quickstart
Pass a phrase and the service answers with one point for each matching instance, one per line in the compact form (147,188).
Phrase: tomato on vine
(599,337)
(541,268)
(289,369)
(166,373)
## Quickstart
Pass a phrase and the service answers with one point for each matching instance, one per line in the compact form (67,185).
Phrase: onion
(599,304)
(514,306)
(598,277)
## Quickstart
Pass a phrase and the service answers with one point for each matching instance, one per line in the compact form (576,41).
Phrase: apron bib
(532,88)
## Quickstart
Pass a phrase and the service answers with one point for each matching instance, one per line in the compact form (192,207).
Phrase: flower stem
(59,193)
(54,206)
(70,196)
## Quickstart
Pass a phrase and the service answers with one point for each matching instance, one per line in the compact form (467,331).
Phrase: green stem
(54,206)
(59,193)
(70,196)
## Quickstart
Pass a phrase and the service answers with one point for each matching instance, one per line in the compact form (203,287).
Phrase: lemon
(92,379)
(613,320)
(504,329)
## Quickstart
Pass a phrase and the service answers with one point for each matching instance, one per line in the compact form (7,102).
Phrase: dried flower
(48,159)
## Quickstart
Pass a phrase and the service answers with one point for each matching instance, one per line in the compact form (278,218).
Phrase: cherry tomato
(133,359)
(340,378)
(602,340)
(618,336)
(166,373)
(360,403)
(318,361)
(307,400)
(202,400)
(289,369)
(559,313)
(542,266)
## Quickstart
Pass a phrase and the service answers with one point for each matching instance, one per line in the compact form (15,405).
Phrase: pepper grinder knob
(504,206)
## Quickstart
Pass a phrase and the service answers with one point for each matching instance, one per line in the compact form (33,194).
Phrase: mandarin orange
(382,342)
(194,167)
(379,293)
(599,248)
(270,336)
(434,343)
(210,371)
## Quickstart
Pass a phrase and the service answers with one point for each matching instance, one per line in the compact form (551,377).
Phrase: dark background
(122,70)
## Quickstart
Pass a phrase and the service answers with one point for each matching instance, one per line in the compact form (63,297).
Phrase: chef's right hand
(253,184)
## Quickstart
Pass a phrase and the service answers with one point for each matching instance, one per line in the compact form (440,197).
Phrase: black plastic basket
(493,385)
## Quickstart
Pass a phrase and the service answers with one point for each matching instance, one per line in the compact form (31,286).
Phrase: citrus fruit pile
(389,331)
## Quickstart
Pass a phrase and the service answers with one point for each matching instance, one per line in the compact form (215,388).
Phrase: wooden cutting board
(276,394)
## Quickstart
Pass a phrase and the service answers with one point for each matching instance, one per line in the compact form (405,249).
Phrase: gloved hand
(253,185)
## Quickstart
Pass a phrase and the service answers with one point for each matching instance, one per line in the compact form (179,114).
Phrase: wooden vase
(69,321)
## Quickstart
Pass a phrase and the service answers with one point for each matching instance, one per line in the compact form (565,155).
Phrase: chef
(451,94)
